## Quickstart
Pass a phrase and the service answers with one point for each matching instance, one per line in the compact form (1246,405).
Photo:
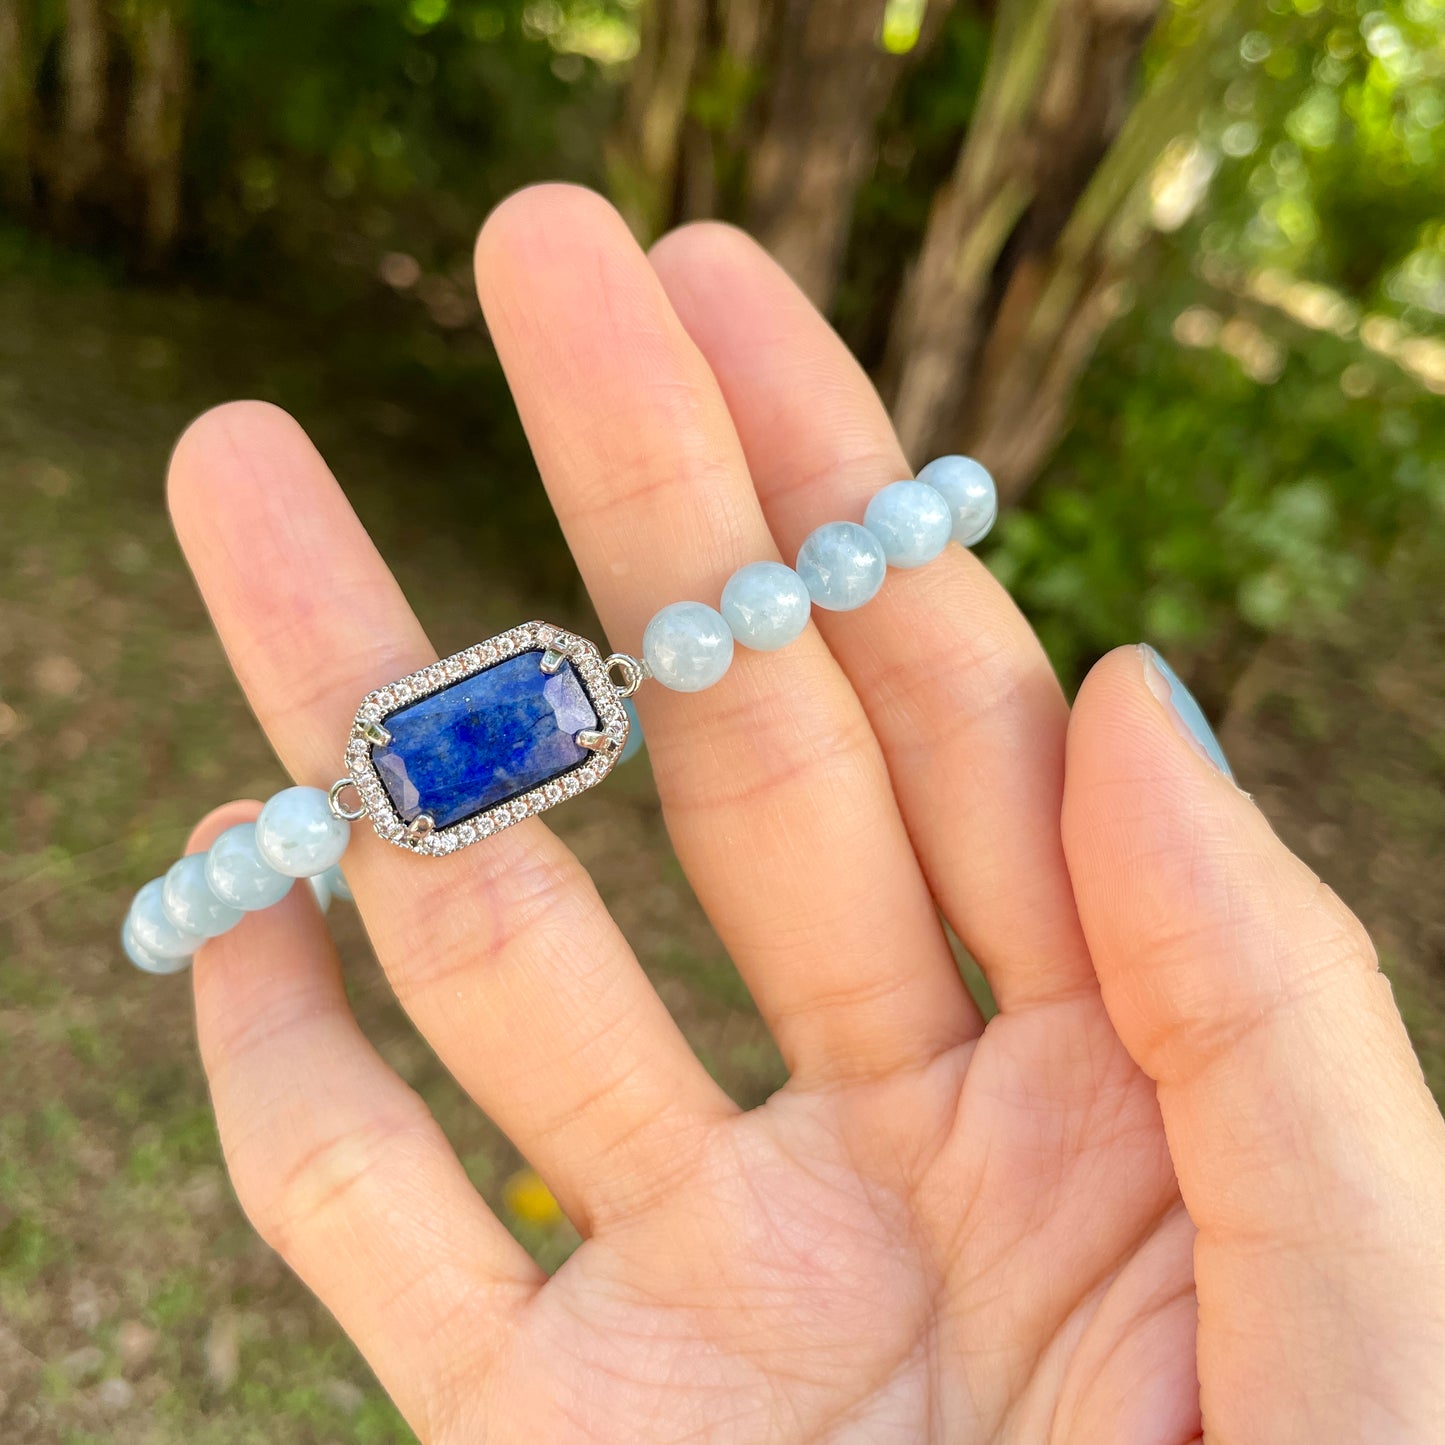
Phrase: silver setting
(420,827)
(604,691)
(338,808)
(552,660)
(373,732)
(592,740)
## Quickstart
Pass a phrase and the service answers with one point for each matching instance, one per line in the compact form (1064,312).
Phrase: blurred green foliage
(1195,506)
(1331,147)
(334,127)
(1264,422)
(1260,425)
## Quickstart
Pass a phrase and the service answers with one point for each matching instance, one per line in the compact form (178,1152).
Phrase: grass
(136,1305)
(119,725)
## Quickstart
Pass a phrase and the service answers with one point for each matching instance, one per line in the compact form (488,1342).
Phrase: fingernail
(1186,715)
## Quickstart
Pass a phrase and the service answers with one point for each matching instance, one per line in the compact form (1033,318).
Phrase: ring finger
(957,687)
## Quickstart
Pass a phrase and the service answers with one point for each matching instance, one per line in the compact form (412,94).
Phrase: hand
(1191,1162)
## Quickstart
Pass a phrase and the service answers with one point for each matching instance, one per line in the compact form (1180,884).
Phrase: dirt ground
(136,1305)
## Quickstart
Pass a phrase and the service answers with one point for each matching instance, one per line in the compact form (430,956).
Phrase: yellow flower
(530,1200)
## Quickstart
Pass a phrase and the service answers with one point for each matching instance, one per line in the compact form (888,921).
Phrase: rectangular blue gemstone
(484,740)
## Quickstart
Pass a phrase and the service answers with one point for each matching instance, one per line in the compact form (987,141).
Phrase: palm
(964,1253)
(935,1230)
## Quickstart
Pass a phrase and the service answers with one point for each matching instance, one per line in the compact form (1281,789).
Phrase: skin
(1187,1183)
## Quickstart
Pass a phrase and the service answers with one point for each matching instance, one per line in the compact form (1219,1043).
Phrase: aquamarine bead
(766,605)
(299,835)
(238,874)
(189,903)
(153,931)
(842,565)
(336,883)
(688,646)
(970,493)
(143,958)
(635,742)
(912,520)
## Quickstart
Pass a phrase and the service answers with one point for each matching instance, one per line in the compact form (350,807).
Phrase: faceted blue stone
(483,740)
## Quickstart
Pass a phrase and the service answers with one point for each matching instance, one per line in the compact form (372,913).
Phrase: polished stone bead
(143,958)
(970,493)
(336,883)
(688,646)
(842,565)
(635,742)
(766,605)
(189,902)
(153,931)
(299,835)
(239,875)
(485,739)
(911,520)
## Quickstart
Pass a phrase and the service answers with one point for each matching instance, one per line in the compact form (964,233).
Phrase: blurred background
(1175,270)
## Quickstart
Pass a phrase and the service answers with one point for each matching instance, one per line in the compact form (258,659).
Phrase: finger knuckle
(1343,935)
(526,899)
(1255,948)
(294,1200)
(799,752)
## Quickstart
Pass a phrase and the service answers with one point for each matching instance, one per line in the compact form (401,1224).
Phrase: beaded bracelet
(462,749)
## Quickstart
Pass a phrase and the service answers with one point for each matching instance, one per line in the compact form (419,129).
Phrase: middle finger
(777,797)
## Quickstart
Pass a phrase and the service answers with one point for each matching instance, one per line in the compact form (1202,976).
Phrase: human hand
(1192,1160)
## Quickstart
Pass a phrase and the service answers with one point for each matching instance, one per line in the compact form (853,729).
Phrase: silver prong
(593,740)
(373,732)
(552,660)
(420,826)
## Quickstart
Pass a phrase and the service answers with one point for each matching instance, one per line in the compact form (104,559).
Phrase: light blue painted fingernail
(1186,714)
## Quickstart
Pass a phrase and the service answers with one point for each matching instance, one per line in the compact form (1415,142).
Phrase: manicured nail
(1186,714)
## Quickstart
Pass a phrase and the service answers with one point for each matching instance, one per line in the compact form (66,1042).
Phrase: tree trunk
(1006,297)
(85,62)
(646,161)
(1058,301)
(17,92)
(760,110)
(156,124)
(829,78)
(1029,243)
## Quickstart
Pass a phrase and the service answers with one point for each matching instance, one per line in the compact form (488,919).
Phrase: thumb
(1309,1152)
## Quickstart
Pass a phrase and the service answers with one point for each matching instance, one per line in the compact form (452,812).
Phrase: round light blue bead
(970,493)
(237,873)
(153,931)
(688,646)
(635,742)
(842,565)
(766,605)
(337,884)
(189,903)
(299,835)
(912,521)
(143,959)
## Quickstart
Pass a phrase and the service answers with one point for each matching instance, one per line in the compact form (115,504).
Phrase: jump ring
(338,809)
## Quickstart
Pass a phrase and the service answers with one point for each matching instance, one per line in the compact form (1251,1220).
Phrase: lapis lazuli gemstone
(484,740)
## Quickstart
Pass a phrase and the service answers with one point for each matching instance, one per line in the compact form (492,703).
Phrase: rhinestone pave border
(382,702)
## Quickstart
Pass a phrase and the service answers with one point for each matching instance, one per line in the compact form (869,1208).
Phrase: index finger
(502,953)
